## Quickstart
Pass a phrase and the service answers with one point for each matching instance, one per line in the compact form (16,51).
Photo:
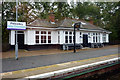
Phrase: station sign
(13,25)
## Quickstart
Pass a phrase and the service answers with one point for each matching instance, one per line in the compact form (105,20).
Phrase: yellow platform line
(51,66)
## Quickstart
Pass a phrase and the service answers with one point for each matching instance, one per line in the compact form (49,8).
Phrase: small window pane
(41,37)
(93,39)
(37,32)
(41,32)
(66,39)
(70,39)
(44,41)
(49,37)
(49,32)
(44,37)
(44,32)
(49,41)
(80,33)
(70,32)
(66,32)
(37,41)
(37,37)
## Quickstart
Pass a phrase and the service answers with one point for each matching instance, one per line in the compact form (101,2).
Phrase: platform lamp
(76,25)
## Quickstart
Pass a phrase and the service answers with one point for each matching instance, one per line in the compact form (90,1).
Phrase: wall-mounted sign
(16,25)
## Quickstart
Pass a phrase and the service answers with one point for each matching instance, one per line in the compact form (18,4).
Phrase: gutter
(59,28)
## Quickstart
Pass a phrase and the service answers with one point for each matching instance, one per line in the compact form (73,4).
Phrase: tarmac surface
(10,64)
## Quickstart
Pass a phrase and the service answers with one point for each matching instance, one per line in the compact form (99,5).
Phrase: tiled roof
(66,23)
(42,23)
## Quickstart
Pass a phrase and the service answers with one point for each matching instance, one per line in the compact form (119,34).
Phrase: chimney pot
(51,16)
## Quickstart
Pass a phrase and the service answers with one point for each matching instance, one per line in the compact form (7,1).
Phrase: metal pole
(16,45)
(74,39)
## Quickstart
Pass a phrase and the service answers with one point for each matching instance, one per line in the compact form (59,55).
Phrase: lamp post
(76,25)
(16,43)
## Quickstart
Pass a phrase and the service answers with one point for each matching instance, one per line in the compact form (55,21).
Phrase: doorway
(85,40)
(20,39)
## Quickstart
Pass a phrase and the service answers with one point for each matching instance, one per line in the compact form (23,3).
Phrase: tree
(9,14)
(61,10)
(115,25)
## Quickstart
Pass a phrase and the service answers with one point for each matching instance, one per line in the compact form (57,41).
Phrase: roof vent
(52,22)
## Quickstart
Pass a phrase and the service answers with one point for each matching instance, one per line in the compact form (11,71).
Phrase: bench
(71,46)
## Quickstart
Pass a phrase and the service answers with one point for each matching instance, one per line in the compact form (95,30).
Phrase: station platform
(46,64)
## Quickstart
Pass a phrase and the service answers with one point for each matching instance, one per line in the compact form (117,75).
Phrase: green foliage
(7,15)
(115,24)
(62,10)
(104,14)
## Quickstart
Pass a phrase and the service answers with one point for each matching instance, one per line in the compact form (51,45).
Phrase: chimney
(91,22)
(52,17)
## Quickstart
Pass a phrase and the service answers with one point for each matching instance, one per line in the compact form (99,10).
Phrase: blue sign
(12,25)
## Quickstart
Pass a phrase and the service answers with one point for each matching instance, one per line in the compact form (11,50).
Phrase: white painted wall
(89,37)
(62,40)
(29,37)
(101,39)
(107,38)
(12,41)
(81,39)
(54,37)
(78,37)
(25,36)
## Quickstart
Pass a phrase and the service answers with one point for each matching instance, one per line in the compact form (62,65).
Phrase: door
(20,38)
(85,40)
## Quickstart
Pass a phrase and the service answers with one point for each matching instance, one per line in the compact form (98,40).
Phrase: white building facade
(39,35)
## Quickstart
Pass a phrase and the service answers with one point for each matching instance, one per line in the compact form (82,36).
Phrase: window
(37,32)
(96,37)
(49,37)
(68,37)
(37,38)
(99,37)
(49,32)
(80,35)
(43,37)
(58,37)
(66,32)
(70,33)
(93,37)
(104,37)
(43,32)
